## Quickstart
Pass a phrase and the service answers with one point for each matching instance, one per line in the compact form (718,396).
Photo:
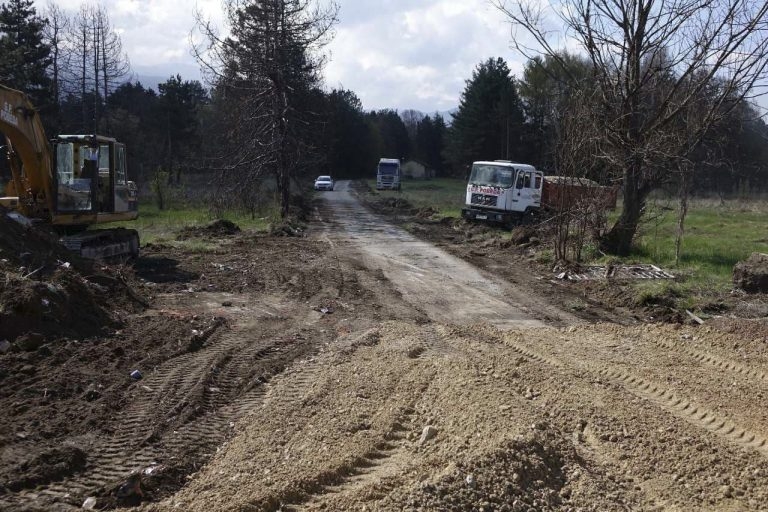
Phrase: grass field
(445,194)
(155,225)
(717,236)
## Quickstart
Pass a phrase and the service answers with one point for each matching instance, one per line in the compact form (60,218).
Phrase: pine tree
(180,102)
(24,57)
(392,135)
(269,70)
(430,142)
(346,137)
(489,122)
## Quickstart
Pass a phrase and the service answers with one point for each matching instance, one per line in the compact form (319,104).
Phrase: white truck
(505,192)
(388,174)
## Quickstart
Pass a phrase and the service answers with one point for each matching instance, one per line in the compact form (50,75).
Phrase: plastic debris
(136,375)
(21,219)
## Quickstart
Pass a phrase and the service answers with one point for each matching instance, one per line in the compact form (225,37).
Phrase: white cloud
(391,53)
(415,54)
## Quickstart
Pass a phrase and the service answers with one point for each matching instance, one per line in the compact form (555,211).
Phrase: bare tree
(55,32)
(264,73)
(651,61)
(579,206)
(411,119)
(111,61)
(91,60)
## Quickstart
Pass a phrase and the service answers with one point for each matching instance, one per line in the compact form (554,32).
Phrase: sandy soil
(361,368)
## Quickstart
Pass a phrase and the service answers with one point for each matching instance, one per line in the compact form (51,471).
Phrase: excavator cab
(90,177)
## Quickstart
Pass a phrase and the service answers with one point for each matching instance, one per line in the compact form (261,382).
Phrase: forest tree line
(265,115)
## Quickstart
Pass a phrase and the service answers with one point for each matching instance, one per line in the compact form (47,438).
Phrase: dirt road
(363,369)
(443,287)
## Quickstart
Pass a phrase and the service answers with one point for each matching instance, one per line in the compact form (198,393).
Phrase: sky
(402,54)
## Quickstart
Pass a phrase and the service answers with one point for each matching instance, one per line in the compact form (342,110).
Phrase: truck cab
(388,174)
(502,191)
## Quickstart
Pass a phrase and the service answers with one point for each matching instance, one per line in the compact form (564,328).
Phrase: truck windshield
(492,176)
(388,169)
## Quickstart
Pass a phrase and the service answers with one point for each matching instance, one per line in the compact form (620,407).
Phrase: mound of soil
(51,291)
(217,228)
(752,275)
(523,474)
(33,248)
(286,228)
(65,304)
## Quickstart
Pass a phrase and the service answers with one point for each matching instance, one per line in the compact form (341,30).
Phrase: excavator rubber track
(104,244)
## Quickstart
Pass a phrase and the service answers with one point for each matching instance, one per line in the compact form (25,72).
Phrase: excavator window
(65,163)
(73,181)
(121,176)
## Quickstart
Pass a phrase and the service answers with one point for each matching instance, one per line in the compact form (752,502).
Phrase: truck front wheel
(527,218)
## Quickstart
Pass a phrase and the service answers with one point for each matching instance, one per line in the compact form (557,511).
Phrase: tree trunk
(683,211)
(619,239)
(95,78)
(104,79)
(84,64)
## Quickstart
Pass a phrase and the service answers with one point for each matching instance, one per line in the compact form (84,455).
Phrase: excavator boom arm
(25,135)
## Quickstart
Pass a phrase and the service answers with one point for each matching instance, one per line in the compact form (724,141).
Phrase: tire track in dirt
(380,466)
(673,403)
(712,360)
(686,409)
(206,391)
(375,467)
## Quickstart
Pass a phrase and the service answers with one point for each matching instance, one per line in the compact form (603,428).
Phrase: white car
(324,183)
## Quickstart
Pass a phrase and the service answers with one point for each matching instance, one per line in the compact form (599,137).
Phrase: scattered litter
(25,276)
(146,388)
(45,302)
(136,375)
(593,272)
(152,469)
(327,310)
(65,264)
(5,346)
(693,317)
(21,219)
(89,503)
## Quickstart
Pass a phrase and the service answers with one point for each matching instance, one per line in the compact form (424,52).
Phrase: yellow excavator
(69,183)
